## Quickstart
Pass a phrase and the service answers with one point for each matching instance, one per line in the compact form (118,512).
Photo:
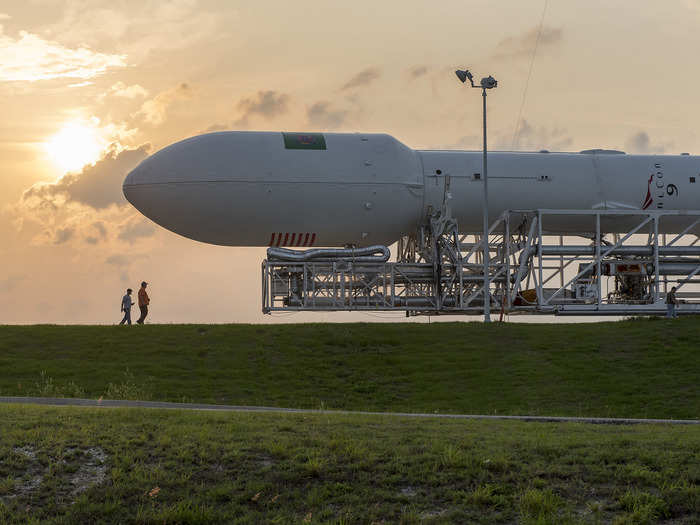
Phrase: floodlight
(463,75)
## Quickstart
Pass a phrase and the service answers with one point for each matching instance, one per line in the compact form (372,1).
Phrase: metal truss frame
(440,271)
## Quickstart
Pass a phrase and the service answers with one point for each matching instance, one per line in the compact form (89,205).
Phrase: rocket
(359,189)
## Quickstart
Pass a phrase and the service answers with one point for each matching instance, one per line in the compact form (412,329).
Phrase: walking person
(127,303)
(144,301)
(671,303)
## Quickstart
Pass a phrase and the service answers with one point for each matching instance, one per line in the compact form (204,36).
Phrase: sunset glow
(74,146)
(90,89)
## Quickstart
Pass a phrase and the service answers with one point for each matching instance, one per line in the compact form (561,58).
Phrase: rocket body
(337,189)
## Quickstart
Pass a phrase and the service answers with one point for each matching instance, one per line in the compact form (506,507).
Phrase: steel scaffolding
(612,262)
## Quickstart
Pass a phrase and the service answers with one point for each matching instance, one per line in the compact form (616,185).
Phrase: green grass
(160,466)
(638,368)
(69,465)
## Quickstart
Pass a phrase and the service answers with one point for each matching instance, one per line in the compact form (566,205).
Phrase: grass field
(639,368)
(72,465)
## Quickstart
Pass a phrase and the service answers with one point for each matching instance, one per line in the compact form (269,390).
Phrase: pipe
(678,268)
(376,253)
(363,302)
(620,250)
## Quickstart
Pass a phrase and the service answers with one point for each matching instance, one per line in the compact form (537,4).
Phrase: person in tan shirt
(144,301)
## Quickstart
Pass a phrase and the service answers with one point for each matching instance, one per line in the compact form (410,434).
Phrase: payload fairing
(356,189)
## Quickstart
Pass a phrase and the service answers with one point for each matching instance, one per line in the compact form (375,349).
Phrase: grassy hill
(71,465)
(638,368)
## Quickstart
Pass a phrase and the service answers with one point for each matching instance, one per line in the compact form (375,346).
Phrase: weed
(127,389)
(451,456)
(642,507)
(595,509)
(679,493)
(46,387)
(540,507)
(487,496)
(314,466)
(6,485)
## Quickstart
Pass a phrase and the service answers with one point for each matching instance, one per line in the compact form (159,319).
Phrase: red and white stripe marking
(292,239)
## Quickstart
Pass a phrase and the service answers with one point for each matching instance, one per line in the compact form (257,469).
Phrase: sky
(89,88)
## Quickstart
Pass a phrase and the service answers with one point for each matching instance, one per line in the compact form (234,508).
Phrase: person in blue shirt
(127,303)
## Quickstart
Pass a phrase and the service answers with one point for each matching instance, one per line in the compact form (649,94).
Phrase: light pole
(486,83)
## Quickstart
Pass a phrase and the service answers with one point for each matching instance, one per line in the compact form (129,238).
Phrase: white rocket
(338,189)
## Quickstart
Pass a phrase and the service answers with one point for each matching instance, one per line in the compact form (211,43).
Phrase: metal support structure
(656,259)
(439,271)
(598,262)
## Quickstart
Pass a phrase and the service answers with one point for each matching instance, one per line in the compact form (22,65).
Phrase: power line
(529,74)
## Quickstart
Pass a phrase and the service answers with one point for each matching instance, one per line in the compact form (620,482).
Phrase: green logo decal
(304,141)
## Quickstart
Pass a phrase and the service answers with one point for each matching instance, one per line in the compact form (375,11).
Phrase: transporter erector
(358,191)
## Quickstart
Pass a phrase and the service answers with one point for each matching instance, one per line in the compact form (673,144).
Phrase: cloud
(117,260)
(120,89)
(86,207)
(267,104)
(31,58)
(363,78)
(63,235)
(98,185)
(99,234)
(641,143)
(154,110)
(535,138)
(140,28)
(100,227)
(217,127)
(417,72)
(322,116)
(135,229)
(522,45)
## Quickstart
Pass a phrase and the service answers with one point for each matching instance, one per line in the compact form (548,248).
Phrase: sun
(74,146)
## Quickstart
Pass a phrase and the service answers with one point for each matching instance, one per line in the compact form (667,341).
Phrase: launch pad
(611,262)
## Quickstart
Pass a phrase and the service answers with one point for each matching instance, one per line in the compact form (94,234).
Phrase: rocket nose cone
(135,181)
(128,186)
(141,174)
